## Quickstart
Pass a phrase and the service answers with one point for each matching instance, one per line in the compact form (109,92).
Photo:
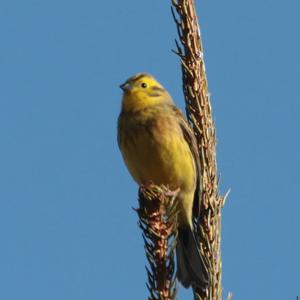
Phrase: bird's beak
(125,86)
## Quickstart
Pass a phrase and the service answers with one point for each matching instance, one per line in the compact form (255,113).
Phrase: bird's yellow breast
(155,150)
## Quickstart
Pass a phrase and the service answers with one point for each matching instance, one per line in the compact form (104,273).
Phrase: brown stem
(199,113)
(158,221)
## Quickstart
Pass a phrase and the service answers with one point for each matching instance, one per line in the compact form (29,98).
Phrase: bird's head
(141,91)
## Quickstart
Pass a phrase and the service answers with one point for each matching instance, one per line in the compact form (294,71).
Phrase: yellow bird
(158,146)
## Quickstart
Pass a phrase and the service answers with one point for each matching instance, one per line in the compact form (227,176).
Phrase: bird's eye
(144,85)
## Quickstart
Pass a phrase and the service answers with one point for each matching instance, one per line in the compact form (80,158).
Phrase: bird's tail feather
(190,265)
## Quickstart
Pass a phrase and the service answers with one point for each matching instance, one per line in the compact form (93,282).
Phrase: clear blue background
(66,225)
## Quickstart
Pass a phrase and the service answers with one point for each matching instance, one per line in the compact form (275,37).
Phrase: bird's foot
(173,193)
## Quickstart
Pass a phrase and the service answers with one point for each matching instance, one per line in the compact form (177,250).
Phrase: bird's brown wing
(191,140)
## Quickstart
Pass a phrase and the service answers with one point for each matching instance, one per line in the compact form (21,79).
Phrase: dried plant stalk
(199,114)
(158,221)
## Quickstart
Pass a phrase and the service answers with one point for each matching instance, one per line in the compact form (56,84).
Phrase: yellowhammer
(158,146)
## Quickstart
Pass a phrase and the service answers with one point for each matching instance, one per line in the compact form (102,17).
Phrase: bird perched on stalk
(158,146)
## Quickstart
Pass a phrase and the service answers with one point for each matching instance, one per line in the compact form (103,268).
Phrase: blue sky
(67,226)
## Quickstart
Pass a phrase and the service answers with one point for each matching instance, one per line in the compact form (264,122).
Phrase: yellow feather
(159,147)
(152,142)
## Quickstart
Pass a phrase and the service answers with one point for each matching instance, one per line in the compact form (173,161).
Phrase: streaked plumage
(158,146)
